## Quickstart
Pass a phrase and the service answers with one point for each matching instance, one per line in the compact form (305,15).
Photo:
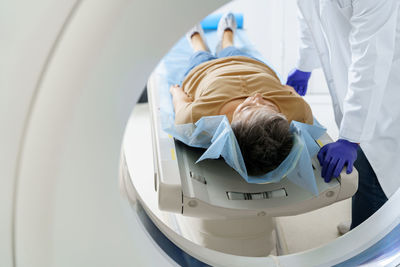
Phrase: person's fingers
(300,90)
(304,90)
(339,168)
(325,166)
(321,154)
(289,81)
(331,167)
(349,167)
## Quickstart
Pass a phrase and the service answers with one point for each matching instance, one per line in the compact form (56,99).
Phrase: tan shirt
(214,83)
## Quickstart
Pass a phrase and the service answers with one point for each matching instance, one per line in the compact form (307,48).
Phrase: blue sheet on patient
(215,134)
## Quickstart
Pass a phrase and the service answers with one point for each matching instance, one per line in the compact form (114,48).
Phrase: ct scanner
(71,72)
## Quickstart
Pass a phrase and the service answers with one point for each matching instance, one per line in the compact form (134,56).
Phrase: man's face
(251,105)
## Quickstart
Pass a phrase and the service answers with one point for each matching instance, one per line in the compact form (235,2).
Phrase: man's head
(262,133)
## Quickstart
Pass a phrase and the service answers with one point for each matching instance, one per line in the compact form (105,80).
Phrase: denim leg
(196,59)
(369,196)
(232,51)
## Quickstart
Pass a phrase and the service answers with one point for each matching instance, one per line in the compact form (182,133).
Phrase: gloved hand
(334,156)
(298,80)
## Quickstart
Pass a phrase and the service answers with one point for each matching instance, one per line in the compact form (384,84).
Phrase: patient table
(209,203)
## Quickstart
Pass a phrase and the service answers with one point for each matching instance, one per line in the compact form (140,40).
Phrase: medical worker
(357,44)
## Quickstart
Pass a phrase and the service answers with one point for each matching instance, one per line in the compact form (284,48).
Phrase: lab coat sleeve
(372,42)
(308,56)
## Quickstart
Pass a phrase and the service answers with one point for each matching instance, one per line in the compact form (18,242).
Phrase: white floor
(272,27)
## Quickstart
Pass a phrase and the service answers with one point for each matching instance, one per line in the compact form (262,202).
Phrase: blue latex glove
(298,80)
(334,156)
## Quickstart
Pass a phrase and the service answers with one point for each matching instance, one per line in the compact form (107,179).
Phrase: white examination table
(209,203)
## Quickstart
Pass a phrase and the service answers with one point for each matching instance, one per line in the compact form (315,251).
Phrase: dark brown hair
(264,140)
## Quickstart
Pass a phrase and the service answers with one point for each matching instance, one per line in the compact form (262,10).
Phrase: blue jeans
(202,56)
(369,196)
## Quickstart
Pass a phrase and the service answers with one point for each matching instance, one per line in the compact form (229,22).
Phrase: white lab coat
(357,44)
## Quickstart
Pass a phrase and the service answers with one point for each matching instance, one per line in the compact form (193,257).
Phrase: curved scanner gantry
(71,73)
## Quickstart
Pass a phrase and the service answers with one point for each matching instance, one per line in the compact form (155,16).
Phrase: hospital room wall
(272,26)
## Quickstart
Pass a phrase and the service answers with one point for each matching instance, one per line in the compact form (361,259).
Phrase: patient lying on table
(244,89)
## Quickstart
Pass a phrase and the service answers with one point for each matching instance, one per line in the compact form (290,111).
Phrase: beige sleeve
(184,114)
(308,116)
